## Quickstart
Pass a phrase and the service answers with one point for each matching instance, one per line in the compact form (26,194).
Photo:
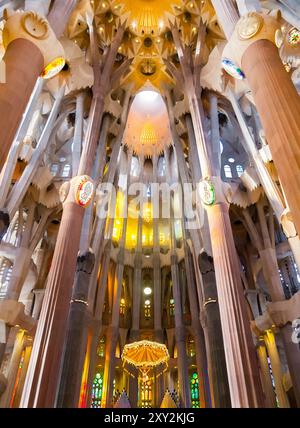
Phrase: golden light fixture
(148,135)
(52,69)
(147,357)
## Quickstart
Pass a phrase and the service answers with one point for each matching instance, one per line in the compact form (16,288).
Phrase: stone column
(24,63)
(266,375)
(136,295)
(211,324)
(4,333)
(193,157)
(241,360)
(227,15)
(243,376)
(252,47)
(271,189)
(134,389)
(113,330)
(13,369)
(157,290)
(113,335)
(76,342)
(45,365)
(78,133)
(180,333)
(48,345)
(59,15)
(278,104)
(137,275)
(28,349)
(202,369)
(262,240)
(270,342)
(25,58)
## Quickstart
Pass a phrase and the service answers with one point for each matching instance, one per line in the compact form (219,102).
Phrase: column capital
(31,26)
(251,28)
(213,191)
(79,190)
(288,224)
(278,314)
(12,313)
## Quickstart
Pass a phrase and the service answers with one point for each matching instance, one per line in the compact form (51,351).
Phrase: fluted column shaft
(77,333)
(241,360)
(13,369)
(24,63)
(44,368)
(59,15)
(227,15)
(112,336)
(278,105)
(270,342)
(180,336)
(201,359)
(266,375)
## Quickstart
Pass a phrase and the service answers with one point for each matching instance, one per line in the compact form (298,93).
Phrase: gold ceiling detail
(149,16)
(147,39)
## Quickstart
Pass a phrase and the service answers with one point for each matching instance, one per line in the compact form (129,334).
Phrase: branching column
(242,367)
(263,240)
(44,371)
(227,14)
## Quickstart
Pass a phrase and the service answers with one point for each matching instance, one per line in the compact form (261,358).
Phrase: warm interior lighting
(148,96)
(53,68)
(147,291)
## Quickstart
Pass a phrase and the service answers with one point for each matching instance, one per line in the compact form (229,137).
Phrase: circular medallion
(85,191)
(249,25)
(35,25)
(207,192)
(279,38)
(232,69)
(294,37)
(53,68)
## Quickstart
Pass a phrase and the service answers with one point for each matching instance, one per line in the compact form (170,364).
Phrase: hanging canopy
(145,354)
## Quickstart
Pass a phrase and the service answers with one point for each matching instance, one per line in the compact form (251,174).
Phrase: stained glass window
(122,307)
(147,309)
(97,391)
(101,347)
(191,346)
(227,171)
(239,170)
(172,307)
(195,391)
(5,275)
(66,171)
(146,394)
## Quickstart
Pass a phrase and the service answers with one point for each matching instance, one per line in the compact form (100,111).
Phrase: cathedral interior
(149,232)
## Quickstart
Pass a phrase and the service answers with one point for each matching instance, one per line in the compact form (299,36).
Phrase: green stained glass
(194,382)
(97,390)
